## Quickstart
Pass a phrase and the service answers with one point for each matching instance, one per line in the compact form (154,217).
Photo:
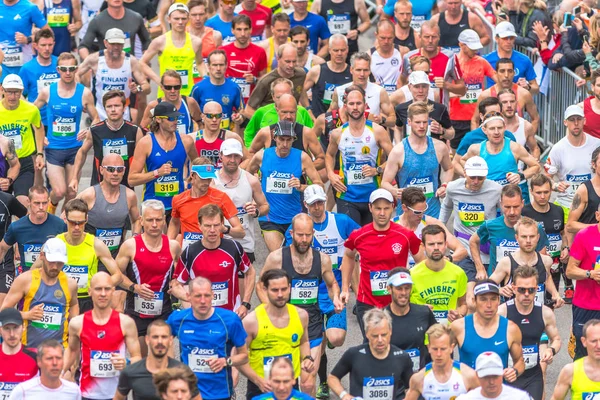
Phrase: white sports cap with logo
(574,110)
(55,250)
(476,166)
(314,193)
(471,39)
(12,81)
(399,279)
(178,7)
(505,29)
(115,36)
(418,78)
(231,146)
(380,194)
(489,364)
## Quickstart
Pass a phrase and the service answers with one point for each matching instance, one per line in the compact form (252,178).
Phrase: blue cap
(206,171)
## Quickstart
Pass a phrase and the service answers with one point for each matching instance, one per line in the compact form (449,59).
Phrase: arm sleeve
(543,243)
(258,95)
(36,120)
(530,72)
(446,211)
(432,320)
(16,208)
(37,17)
(90,35)
(462,284)
(445,121)
(415,243)
(463,147)
(407,371)
(9,236)
(324,32)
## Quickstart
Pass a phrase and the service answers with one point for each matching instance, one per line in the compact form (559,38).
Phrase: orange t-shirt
(473,73)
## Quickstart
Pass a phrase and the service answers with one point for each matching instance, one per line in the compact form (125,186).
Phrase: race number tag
(268,362)
(127,45)
(166,186)
(576,180)
(590,395)
(355,176)
(540,293)
(149,307)
(220,293)
(182,129)
(15,136)
(379,283)
(58,17)
(424,183)
(328,94)
(101,366)
(64,126)
(198,360)
(554,244)
(189,238)
(304,291)
(338,23)
(381,388)
(506,247)
(6,389)
(115,146)
(13,56)
(79,273)
(415,356)
(471,214)
(110,237)
(52,318)
(47,79)
(441,317)
(473,93)
(244,86)
(417,21)
(278,185)
(530,357)
(32,252)
(184,78)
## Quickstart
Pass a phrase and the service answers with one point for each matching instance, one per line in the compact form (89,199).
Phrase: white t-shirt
(508,393)
(34,390)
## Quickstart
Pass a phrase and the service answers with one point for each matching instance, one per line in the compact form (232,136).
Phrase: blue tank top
(474,345)
(63,118)
(59,18)
(276,173)
(165,187)
(422,171)
(502,163)
(185,124)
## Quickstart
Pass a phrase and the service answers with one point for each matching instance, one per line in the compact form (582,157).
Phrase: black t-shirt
(553,223)
(9,207)
(439,114)
(408,333)
(137,379)
(374,378)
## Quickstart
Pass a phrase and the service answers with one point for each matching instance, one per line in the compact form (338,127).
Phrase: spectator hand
(540,30)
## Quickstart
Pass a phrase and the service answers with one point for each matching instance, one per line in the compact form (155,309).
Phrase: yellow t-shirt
(16,126)
(441,289)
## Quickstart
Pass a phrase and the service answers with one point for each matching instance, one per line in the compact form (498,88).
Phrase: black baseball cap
(10,316)
(284,128)
(166,109)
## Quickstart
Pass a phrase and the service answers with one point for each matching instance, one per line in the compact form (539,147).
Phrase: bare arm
(237,230)
(530,106)
(578,206)
(392,166)
(103,254)
(474,244)
(140,77)
(312,144)
(80,160)
(255,162)
(258,195)
(563,384)
(72,352)
(273,261)
(387,109)
(137,176)
(308,169)
(416,387)
(156,46)
(131,338)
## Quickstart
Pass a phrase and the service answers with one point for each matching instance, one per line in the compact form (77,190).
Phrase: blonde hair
(436,331)
(537,4)
(418,108)
(594,25)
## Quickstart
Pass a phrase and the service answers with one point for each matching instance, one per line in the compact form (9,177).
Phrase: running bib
(424,183)
(101,366)
(304,291)
(415,356)
(354,175)
(390,88)
(32,252)
(198,360)
(6,389)
(590,395)
(166,186)
(52,318)
(329,247)
(378,281)
(244,86)
(79,273)
(473,93)
(540,292)
(530,357)
(576,180)
(127,45)
(58,17)
(15,136)
(441,317)
(381,388)
(328,93)
(471,214)
(115,146)
(46,79)
(417,21)
(195,72)
(181,129)
(243,216)
(64,126)
(268,363)
(220,293)
(338,23)
(554,244)
(184,78)
(13,56)
(278,185)
(189,238)
(506,247)
(149,307)
(110,237)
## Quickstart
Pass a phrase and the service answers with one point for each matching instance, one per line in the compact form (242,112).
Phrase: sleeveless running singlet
(210,150)
(180,59)
(82,263)
(473,344)
(588,216)
(532,327)
(63,117)
(107,141)
(542,274)
(582,387)
(107,78)
(107,220)
(449,390)
(449,33)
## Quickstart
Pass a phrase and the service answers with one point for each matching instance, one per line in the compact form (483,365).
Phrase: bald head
(112,159)
(212,107)
(101,279)
(302,220)
(199,282)
(288,100)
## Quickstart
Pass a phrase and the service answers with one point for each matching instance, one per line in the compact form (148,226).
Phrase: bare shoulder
(76,323)
(275,257)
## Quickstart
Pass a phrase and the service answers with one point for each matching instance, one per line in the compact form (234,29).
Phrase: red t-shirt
(252,59)
(586,249)
(380,251)
(260,17)
(16,368)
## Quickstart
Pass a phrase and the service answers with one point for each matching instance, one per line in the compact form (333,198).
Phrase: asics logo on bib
(219,286)
(474,86)
(202,352)
(101,355)
(283,175)
(470,207)
(107,87)
(33,247)
(109,233)
(528,350)
(417,181)
(192,236)
(49,308)
(7,386)
(241,211)
(64,120)
(74,270)
(379,275)
(355,167)
(45,76)
(579,178)
(12,50)
(379,382)
(508,243)
(115,142)
(327,250)
(412,352)
(10,132)
(168,179)
(336,17)
(158,296)
(305,284)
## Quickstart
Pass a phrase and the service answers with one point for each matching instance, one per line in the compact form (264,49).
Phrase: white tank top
(372,93)
(432,389)
(89,9)
(309,60)
(240,195)
(386,70)
(409,97)
(107,78)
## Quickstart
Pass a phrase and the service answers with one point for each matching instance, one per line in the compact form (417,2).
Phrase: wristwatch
(247,305)
(588,274)
(229,361)
(308,358)
(379,170)
(132,288)
(227,230)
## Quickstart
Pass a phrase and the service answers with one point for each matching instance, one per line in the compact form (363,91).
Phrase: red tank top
(592,120)
(208,42)
(99,378)
(210,150)
(515,89)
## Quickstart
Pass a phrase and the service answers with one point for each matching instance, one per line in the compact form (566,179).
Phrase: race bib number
(32,252)
(184,78)
(554,244)
(79,273)
(338,23)
(6,389)
(590,395)
(244,86)
(381,388)
(115,146)
(110,237)
(220,293)
(182,129)
(441,317)
(15,136)
(415,356)
(424,183)
(278,185)
(576,180)
(304,291)
(244,217)
(390,88)
(195,72)
(64,126)
(378,281)
(471,214)
(506,247)
(530,357)
(328,93)
(52,318)
(149,307)
(540,293)
(198,360)
(46,79)
(58,17)
(473,93)
(355,176)
(13,56)
(330,251)
(189,238)
(166,186)
(101,366)
(127,45)
(417,21)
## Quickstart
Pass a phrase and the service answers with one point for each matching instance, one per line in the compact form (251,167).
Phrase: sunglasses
(172,87)
(114,168)
(76,223)
(68,68)
(524,290)
(214,116)
(419,212)
(170,119)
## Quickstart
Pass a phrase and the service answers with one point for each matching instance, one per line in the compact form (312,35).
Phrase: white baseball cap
(505,29)
(380,194)
(231,146)
(178,7)
(476,166)
(471,39)
(574,110)
(115,36)
(314,193)
(489,364)
(12,81)
(418,78)
(399,279)
(55,250)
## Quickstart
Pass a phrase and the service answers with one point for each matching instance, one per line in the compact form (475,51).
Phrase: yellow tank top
(181,59)
(272,342)
(583,387)
(272,55)
(83,263)
(56,299)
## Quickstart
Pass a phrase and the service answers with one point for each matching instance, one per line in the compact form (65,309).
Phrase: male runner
(586,201)
(17,363)
(282,381)
(300,36)
(386,57)
(9,207)
(280,29)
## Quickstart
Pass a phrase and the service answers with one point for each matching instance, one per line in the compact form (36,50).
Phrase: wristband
(343,394)
(553,350)
(247,305)
(39,154)
(132,288)
(516,372)
(522,176)
(257,213)
(156,174)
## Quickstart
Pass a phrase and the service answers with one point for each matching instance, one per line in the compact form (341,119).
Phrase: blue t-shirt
(19,17)
(295,395)
(317,28)
(502,240)
(224,27)
(31,237)
(36,77)
(475,137)
(228,95)
(523,66)
(210,338)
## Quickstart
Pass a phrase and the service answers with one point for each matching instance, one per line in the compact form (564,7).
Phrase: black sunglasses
(172,87)
(524,290)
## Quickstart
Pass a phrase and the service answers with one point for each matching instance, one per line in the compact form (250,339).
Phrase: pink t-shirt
(586,248)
